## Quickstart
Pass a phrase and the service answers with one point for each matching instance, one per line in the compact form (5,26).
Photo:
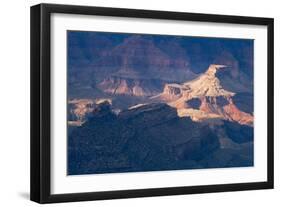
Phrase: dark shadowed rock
(148,115)
(194,103)
(239,133)
(145,138)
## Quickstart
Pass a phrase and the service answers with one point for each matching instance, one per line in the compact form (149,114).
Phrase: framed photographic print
(133,103)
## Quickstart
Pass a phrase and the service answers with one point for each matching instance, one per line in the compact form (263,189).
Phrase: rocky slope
(116,85)
(148,137)
(204,98)
(80,110)
(152,137)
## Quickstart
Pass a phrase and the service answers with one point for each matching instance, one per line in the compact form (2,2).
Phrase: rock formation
(214,101)
(79,110)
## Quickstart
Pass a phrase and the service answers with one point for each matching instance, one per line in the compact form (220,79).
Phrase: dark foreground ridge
(152,137)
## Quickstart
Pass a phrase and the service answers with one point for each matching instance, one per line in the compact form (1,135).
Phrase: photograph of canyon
(142,102)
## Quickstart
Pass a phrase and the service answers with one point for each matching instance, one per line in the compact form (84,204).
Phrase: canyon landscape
(140,102)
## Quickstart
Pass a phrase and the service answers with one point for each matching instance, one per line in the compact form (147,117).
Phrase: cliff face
(138,67)
(140,57)
(130,86)
(213,101)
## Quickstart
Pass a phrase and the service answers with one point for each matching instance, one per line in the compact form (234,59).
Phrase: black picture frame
(41,98)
